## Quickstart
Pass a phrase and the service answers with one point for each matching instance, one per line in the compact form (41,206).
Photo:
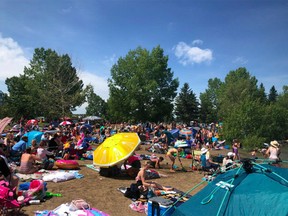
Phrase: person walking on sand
(170,154)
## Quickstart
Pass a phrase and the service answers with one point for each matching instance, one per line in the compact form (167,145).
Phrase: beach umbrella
(115,149)
(4,122)
(65,123)
(32,121)
(185,132)
(33,135)
(86,127)
(92,118)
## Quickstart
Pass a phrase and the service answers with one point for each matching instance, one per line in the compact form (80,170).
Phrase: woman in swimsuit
(171,152)
(27,162)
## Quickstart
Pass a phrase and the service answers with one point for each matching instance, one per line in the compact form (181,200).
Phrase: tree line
(143,88)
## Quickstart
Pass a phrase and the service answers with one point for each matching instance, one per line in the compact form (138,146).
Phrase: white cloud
(99,84)
(197,42)
(191,54)
(110,61)
(240,60)
(12,58)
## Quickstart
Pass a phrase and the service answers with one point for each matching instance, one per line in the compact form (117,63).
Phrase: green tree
(49,87)
(4,108)
(272,97)
(20,99)
(241,107)
(186,105)
(209,101)
(96,105)
(142,87)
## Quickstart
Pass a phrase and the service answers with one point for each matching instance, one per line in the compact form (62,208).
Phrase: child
(42,154)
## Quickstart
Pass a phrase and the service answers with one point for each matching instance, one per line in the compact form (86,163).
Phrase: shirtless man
(141,179)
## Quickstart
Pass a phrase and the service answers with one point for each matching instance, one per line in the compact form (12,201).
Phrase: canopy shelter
(91,118)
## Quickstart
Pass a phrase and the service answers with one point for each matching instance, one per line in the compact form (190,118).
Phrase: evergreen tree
(272,97)
(186,105)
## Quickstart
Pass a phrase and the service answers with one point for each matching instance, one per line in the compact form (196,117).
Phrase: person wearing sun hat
(206,162)
(273,152)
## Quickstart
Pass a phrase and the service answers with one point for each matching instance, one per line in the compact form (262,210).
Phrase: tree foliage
(209,101)
(142,87)
(96,105)
(244,109)
(186,105)
(49,87)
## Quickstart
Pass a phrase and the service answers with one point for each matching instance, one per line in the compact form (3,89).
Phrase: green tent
(252,189)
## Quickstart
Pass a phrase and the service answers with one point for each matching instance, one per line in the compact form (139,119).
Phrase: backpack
(133,192)
(4,169)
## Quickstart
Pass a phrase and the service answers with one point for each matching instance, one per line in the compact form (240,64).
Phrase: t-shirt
(42,153)
(20,146)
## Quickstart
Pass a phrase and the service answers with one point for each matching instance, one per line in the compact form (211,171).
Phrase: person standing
(235,149)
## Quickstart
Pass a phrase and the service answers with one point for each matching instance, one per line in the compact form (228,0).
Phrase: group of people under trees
(70,143)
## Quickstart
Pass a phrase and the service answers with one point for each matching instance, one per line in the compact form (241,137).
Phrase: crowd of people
(73,140)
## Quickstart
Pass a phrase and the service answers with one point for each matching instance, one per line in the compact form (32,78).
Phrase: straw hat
(274,144)
(204,150)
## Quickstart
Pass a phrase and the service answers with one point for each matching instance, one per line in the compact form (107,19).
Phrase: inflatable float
(67,164)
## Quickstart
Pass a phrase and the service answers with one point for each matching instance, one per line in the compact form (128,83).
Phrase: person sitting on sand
(142,176)
(42,155)
(273,152)
(27,162)
(228,161)
(171,152)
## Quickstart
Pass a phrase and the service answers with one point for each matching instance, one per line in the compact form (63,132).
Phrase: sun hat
(204,150)
(274,144)
(230,154)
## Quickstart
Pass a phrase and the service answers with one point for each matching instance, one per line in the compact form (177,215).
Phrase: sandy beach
(101,192)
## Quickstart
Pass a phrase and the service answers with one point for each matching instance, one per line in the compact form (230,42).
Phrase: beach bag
(36,190)
(4,190)
(133,192)
(78,204)
(4,169)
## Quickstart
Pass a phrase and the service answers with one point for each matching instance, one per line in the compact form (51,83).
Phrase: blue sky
(203,39)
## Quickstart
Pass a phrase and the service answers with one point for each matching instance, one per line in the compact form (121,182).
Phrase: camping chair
(196,163)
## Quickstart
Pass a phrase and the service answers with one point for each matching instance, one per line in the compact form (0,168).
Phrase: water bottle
(34,202)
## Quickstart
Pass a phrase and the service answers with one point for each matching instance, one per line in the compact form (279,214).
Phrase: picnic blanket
(64,209)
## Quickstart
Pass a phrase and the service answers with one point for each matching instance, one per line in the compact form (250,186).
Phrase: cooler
(157,206)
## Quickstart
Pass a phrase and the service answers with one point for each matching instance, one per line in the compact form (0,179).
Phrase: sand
(101,192)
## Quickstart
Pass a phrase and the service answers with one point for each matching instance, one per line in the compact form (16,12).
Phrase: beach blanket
(91,166)
(60,176)
(64,209)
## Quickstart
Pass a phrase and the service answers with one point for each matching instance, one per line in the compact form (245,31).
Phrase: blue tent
(255,190)
(33,135)
(175,133)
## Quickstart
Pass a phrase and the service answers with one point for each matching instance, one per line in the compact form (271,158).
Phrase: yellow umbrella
(115,149)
